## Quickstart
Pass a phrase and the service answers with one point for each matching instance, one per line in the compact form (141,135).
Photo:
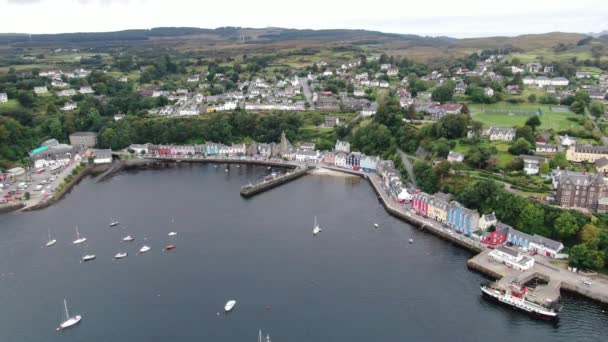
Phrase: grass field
(503,155)
(11,105)
(509,115)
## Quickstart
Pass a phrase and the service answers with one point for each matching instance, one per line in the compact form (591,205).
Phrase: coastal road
(408,166)
(307,91)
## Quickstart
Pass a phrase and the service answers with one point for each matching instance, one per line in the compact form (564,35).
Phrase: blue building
(212,149)
(462,219)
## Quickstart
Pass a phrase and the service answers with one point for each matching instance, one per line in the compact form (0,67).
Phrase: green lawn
(503,155)
(11,105)
(510,115)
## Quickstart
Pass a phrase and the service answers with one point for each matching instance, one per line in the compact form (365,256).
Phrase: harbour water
(352,282)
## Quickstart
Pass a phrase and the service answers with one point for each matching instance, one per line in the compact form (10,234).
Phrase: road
(408,166)
(307,92)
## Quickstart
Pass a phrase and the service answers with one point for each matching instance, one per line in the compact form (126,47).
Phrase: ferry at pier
(516,299)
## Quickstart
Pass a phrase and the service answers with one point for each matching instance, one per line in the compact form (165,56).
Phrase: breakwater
(252,190)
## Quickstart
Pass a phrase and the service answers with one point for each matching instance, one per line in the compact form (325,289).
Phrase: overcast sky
(456,18)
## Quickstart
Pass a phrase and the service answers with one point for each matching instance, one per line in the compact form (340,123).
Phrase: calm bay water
(350,283)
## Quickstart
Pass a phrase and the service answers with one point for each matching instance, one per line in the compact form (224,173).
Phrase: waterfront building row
(452,214)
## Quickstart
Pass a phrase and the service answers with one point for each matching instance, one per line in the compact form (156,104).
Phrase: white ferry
(516,299)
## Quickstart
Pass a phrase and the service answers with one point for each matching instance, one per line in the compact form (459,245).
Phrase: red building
(420,203)
(497,237)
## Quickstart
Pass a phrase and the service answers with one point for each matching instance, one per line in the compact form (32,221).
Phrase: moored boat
(229,305)
(51,241)
(120,255)
(316,228)
(144,249)
(376,225)
(516,298)
(78,238)
(172,233)
(113,224)
(88,257)
(169,247)
(128,238)
(69,321)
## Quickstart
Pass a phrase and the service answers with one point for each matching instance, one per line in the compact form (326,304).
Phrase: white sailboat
(114,223)
(316,229)
(51,241)
(78,238)
(69,321)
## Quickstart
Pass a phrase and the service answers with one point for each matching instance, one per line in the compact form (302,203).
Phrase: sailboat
(51,241)
(128,238)
(260,339)
(78,238)
(316,229)
(144,249)
(69,321)
(88,257)
(113,224)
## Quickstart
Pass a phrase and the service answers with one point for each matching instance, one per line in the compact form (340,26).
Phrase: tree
(578,107)
(531,219)
(544,169)
(26,99)
(426,177)
(532,98)
(372,139)
(533,122)
(583,257)
(597,109)
(566,226)
(442,169)
(590,235)
(521,146)
(527,133)
(559,160)
(443,93)
(452,126)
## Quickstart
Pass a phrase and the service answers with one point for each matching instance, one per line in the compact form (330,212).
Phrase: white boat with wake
(229,305)
(69,321)
(79,239)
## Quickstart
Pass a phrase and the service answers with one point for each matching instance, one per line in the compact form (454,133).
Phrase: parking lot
(40,184)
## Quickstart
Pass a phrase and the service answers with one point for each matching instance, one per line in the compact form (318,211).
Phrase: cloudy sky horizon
(460,19)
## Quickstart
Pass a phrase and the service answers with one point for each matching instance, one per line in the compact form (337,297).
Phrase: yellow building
(586,153)
(438,207)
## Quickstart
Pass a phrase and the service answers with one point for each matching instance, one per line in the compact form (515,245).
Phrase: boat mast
(316,225)
(260,336)
(49,231)
(77,233)
(65,304)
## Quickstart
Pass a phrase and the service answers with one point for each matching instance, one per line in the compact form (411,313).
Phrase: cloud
(23,2)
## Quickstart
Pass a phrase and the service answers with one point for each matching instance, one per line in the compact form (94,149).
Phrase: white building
(501,134)
(340,159)
(69,106)
(67,92)
(511,258)
(307,156)
(342,146)
(487,221)
(86,90)
(3,98)
(488,91)
(40,90)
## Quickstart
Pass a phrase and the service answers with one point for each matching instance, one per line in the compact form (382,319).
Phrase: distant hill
(599,34)
(192,38)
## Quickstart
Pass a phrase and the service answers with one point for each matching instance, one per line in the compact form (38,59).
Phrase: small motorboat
(144,249)
(169,247)
(411,240)
(88,257)
(128,238)
(376,225)
(269,168)
(226,170)
(229,305)
(172,233)
(69,321)
(114,224)
(120,255)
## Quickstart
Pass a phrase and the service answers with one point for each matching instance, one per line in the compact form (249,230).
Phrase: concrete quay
(252,190)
